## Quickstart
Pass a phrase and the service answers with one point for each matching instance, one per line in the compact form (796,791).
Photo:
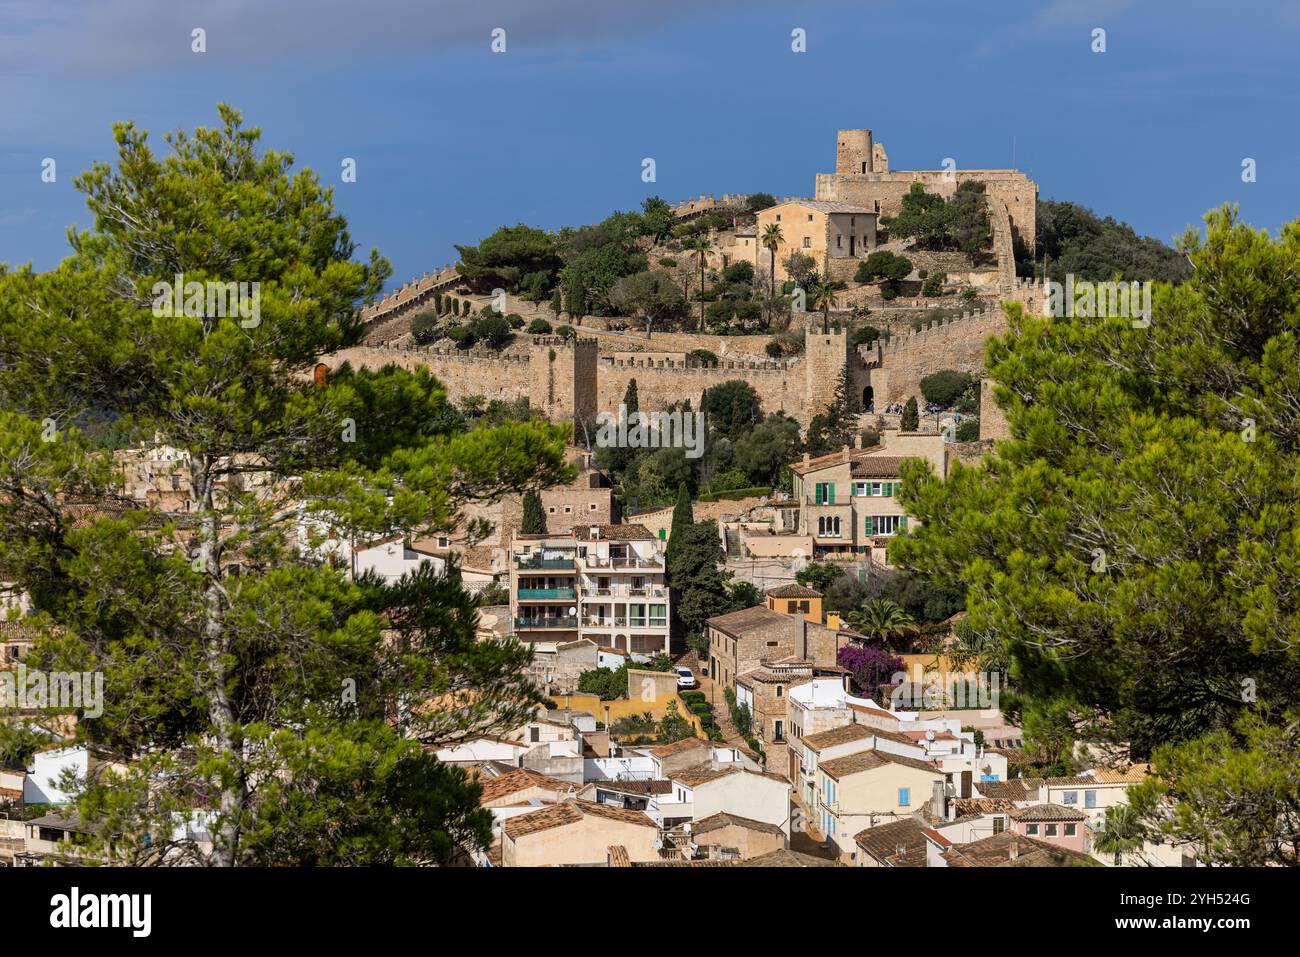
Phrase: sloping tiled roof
(787,858)
(617,533)
(884,841)
(1015,789)
(571,812)
(1130,775)
(794,590)
(877,466)
(677,747)
(652,786)
(869,761)
(521,779)
(737,623)
(977,807)
(1048,812)
(723,819)
(703,774)
(996,851)
(844,734)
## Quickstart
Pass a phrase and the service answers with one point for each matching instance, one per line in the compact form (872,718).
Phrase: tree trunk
(225,841)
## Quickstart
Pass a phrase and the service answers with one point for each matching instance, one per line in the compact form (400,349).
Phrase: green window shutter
(663,533)
(831,500)
(902,522)
(889,490)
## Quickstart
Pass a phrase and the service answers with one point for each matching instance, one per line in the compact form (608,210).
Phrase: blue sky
(452,140)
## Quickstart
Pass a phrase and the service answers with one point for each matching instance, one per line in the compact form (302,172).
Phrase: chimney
(847,452)
(801,635)
(1014,850)
(939,802)
(805,458)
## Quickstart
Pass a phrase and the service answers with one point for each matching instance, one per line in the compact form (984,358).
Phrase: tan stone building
(577,832)
(836,235)
(743,640)
(848,500)
(863,178)
(725,836)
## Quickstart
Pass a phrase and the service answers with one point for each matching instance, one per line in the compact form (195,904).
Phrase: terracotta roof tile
(869,761)
(884,841)
(844,734)
(1048,812)
(724,819)
(570,812)
(793,590)
(521,779)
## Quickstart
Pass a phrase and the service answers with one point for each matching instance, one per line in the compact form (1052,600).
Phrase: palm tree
(1121,832)
(772,239)
(700,245)
(883,619)
(823,297)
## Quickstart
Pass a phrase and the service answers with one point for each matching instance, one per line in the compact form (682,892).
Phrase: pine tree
(265,699)
(534,520)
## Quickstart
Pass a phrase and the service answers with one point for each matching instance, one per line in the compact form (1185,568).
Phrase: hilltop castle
(574,379)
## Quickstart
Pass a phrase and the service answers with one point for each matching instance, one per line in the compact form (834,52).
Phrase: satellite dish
(929,735)
(572,610)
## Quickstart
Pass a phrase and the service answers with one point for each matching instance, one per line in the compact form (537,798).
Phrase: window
(904,797)
(999,824)
(658,616)
(1070,797)
(828,526)
(839,242)
(636,615)
(885,524)
(1051,830)
(534,735)
(778,217)
(550,509)
(791,607)
(568,509)
(1031,828)
(592,507)
(810,217)
(779,690)
(1089,798)
(807,242)
(1070,830)
(778,732)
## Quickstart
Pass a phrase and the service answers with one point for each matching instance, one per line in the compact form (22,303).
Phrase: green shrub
(516,321)
(539,327)
(946,386)
(565,331)
(969,430)
(462,336)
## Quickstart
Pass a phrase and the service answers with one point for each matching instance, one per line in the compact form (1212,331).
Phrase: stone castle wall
(779,385)
(898,366)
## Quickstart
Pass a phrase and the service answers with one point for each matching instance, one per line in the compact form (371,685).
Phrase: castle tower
(853,152)
(562,379)
(825,356)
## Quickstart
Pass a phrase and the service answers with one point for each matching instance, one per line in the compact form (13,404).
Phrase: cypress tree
(534,522)
(911,419)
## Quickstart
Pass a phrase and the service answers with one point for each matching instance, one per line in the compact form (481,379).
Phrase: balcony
(625,591)
(614,621)
(623,562)
(534,562)
(533,624)
(544,594)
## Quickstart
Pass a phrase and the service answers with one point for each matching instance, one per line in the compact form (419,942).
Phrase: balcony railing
(599,561)
(537,561)
(526,594)
(614,622)
(625,591)
(563,621)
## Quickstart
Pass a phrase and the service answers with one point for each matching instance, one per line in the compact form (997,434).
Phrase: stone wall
(897,366)
(779,385)
(993,421)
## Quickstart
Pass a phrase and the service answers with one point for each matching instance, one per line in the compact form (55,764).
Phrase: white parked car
(686,678)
